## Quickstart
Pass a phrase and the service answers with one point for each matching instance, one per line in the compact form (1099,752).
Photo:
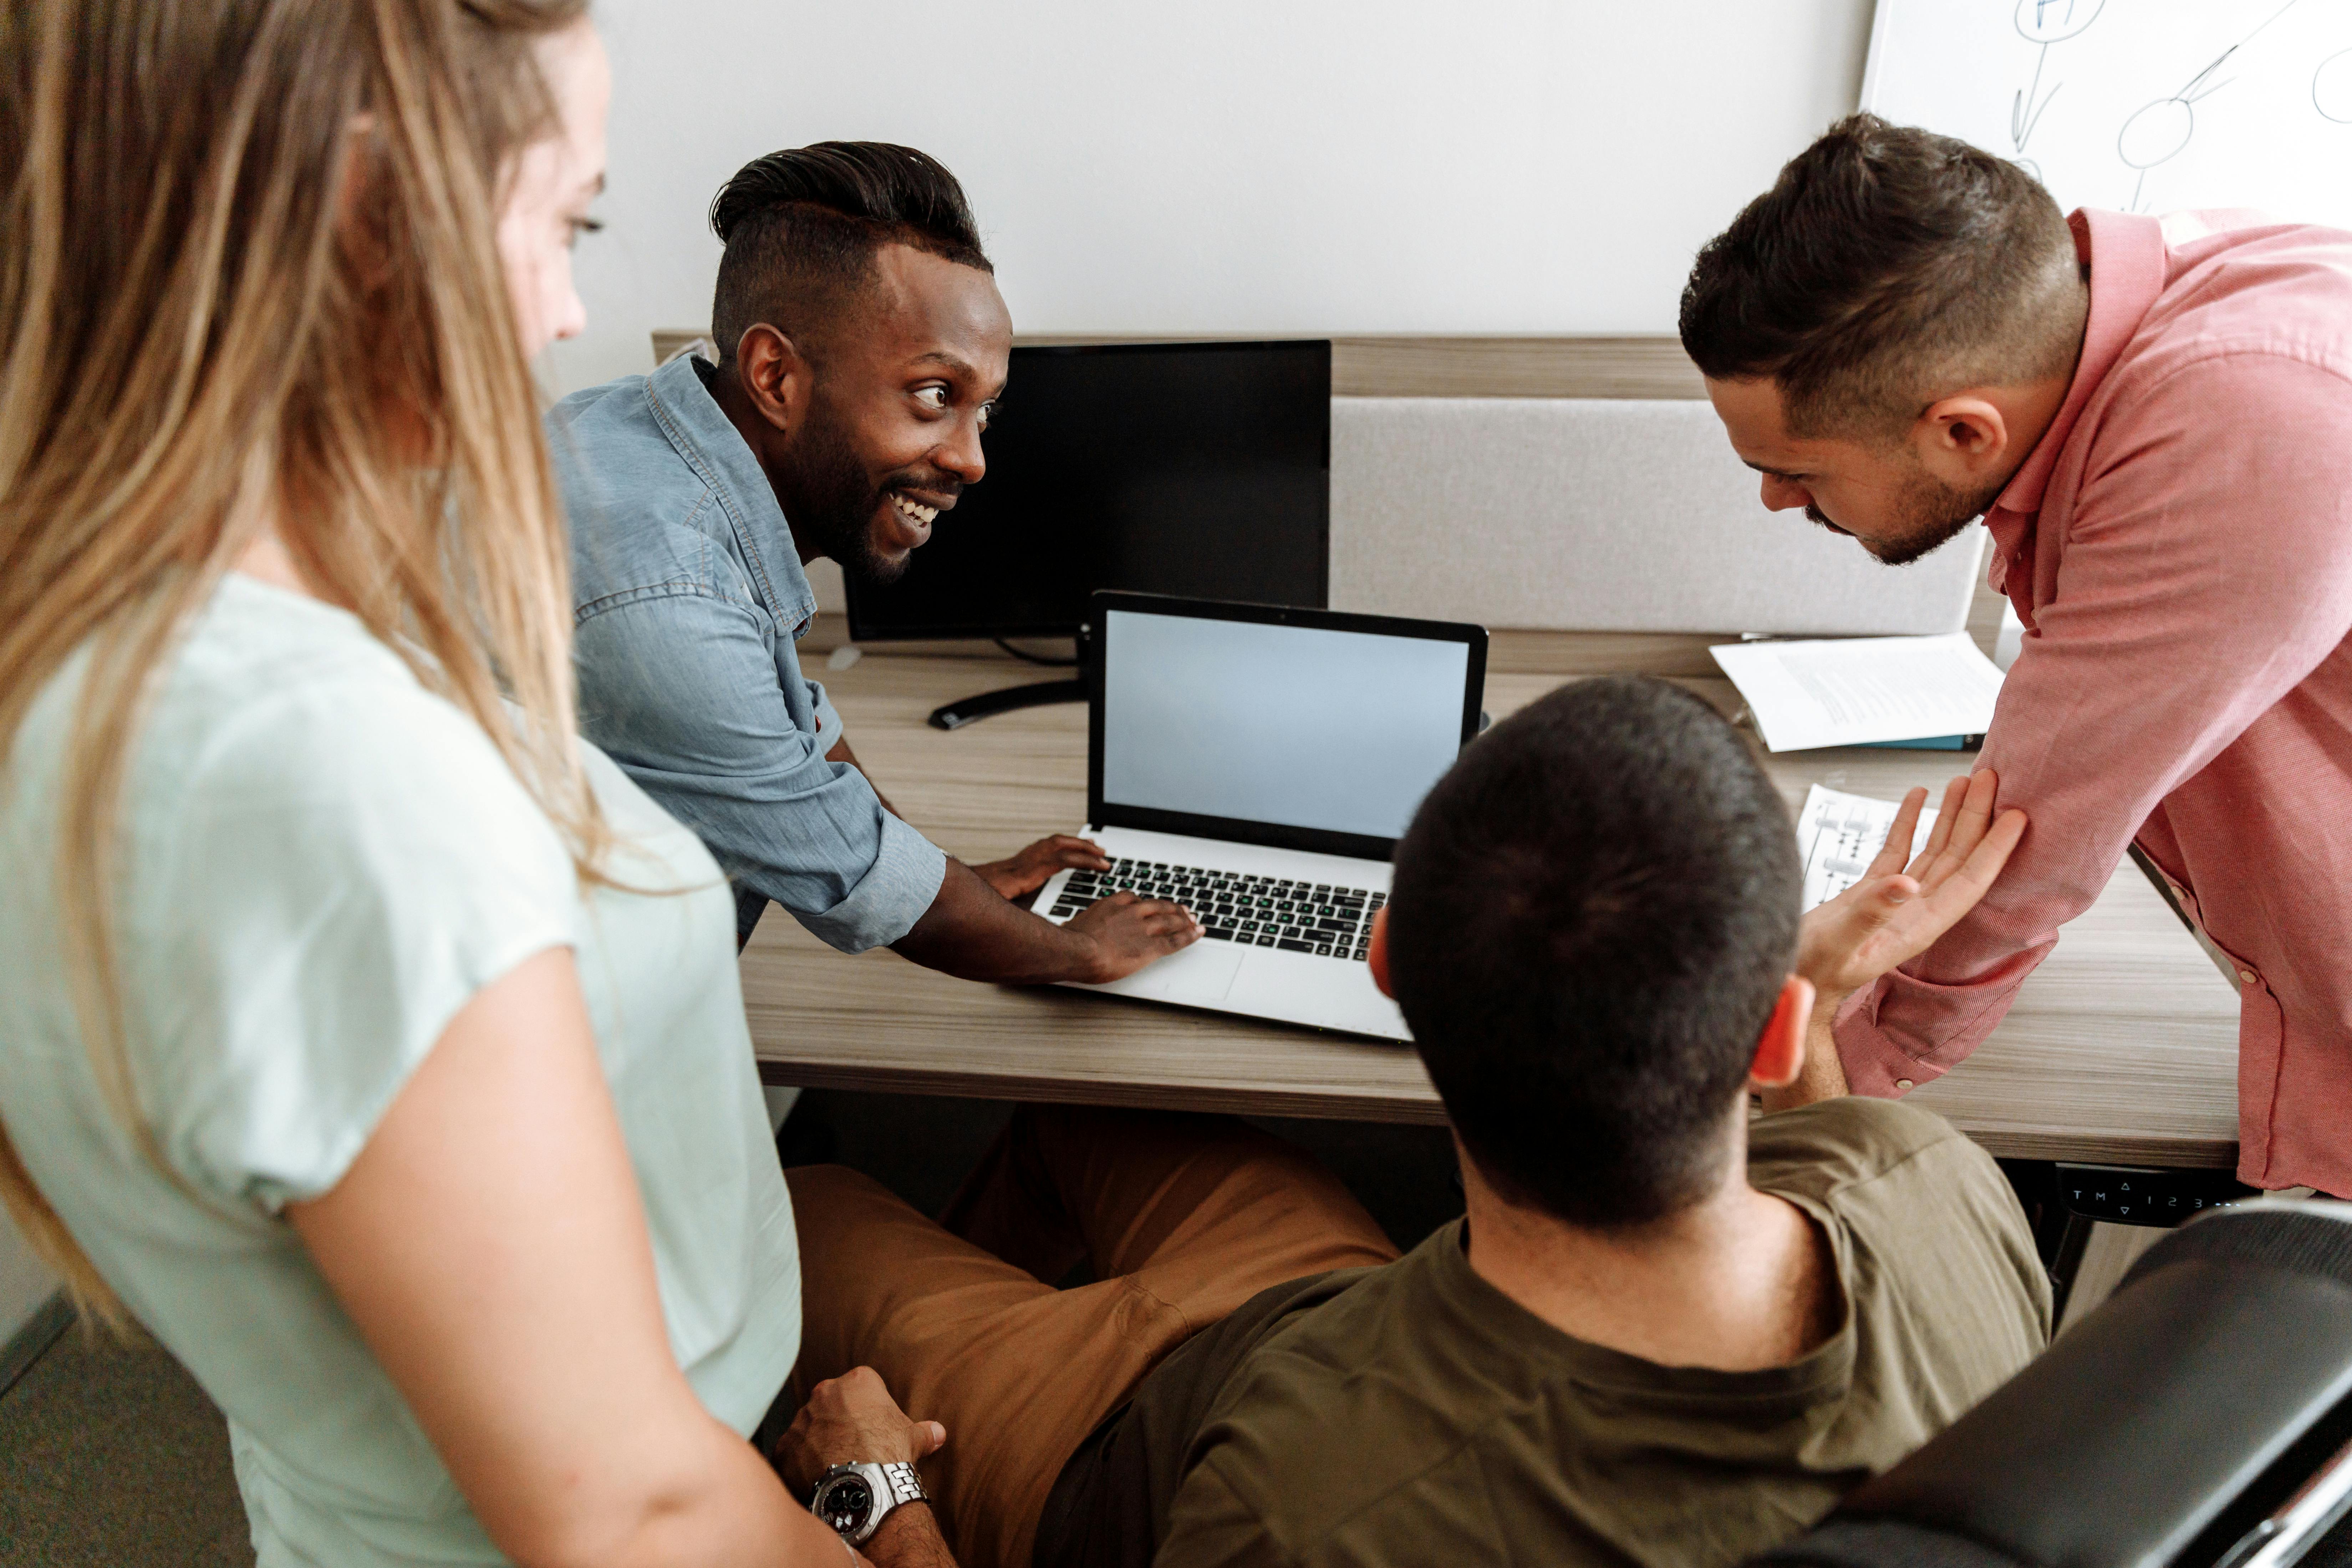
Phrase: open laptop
(1257,764)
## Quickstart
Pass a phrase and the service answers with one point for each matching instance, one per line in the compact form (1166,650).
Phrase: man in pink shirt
(2155,420)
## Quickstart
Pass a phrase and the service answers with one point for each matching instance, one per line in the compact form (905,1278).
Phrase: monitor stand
(1037,694)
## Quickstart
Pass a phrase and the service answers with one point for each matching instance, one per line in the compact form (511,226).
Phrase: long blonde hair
(249,277)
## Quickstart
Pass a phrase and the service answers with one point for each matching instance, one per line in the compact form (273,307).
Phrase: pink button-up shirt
(2178,546)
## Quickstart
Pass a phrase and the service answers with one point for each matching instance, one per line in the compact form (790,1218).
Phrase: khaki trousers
(1184,1218)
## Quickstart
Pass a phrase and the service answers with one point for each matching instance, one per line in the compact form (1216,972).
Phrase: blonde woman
(363,1037)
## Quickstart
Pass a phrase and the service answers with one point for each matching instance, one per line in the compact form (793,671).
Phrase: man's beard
(1928,515)
(836,502)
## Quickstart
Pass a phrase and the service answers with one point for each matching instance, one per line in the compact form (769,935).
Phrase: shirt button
(1902,1083)
(2245,976)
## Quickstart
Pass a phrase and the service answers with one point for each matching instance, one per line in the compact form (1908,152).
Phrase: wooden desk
(2121,1048)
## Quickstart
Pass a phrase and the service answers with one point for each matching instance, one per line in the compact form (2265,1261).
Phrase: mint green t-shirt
(320,863)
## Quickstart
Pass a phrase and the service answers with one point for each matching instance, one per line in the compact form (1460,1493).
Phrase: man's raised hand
(1897,911)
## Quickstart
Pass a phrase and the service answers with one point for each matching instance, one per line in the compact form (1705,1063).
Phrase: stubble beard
(1928,515)
(838,502)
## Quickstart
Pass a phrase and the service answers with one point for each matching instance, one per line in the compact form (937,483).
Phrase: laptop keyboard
(1327,921)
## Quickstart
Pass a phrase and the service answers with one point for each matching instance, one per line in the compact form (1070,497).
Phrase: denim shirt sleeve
(684,697)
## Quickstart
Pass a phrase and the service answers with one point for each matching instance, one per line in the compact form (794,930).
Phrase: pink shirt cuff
(1874,1063)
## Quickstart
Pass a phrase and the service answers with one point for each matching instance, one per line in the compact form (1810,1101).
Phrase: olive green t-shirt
(1414,1414)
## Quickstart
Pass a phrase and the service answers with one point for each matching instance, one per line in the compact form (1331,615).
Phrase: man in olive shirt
(1664,1333)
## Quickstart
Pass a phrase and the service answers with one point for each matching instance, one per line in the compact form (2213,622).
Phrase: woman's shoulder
(257,655)
(276,701)
(288,760)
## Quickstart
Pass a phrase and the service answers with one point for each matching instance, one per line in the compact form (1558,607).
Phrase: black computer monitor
(1198,469)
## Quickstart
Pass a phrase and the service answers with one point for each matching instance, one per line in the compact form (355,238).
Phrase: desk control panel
(2131,1194)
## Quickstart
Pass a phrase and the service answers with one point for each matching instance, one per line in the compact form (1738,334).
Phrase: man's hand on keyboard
(1129,932)
(1019,875)
(1896,912)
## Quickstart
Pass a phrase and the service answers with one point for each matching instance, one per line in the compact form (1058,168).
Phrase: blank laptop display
(1308,727)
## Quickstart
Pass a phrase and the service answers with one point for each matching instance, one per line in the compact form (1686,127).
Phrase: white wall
(25,1283)
(1245,166)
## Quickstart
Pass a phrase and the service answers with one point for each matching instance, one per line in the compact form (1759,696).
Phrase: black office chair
(2201,1417)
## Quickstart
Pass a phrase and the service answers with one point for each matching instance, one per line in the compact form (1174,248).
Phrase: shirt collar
(1468,1310)
(716,451)
(2128,258)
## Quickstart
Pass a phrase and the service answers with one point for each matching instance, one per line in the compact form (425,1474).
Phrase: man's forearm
(910,1537)
(973,934)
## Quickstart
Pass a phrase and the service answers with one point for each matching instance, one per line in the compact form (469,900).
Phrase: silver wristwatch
(856,1499)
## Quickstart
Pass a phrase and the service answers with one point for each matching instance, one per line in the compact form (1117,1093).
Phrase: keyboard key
(1217,933)
(1330,922)
(1289,946)
(1265,939)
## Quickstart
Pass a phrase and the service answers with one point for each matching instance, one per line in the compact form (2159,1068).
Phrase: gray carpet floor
(110,1456)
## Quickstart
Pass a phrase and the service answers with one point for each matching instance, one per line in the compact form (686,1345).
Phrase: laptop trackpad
(1203,972)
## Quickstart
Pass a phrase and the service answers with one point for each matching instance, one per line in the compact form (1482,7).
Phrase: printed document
(1839,835)
(1846,691)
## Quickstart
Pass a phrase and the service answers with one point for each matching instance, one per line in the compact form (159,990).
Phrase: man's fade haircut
(1591,920)
(1886,266)
(801,227)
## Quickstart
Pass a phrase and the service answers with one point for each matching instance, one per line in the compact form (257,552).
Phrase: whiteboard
(1232,167)
(2135,105)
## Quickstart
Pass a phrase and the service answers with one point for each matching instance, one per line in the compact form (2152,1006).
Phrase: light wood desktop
(2121,1048)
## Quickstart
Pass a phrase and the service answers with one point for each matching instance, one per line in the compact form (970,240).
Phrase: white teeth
(919,513)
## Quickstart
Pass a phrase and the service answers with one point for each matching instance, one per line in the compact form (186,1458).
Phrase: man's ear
(777,379)
(1379,957)
(1963,439)
(1780,1049)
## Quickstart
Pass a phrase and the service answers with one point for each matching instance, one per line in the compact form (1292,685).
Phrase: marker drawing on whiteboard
(2043,22)
(2157,132)
(2331,87)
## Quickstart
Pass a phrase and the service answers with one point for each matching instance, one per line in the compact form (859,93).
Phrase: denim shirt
(687,599)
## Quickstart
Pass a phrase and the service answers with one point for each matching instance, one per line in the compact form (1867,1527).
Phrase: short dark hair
(1591,922)
(802,227)
(1886,265)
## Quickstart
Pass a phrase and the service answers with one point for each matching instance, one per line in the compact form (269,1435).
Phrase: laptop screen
(1294,726)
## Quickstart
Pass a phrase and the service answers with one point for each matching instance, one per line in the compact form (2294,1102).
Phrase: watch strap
(905,1485)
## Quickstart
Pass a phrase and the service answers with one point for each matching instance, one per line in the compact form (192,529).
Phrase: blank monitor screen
(1296,726)
(1197,469)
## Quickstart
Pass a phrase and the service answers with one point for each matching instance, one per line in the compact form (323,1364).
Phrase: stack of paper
(1852,692)
(1839,835)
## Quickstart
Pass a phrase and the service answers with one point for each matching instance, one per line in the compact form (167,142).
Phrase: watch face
(846,1503)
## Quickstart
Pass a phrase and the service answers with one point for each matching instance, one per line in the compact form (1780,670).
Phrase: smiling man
(864,345)
(2155,419)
